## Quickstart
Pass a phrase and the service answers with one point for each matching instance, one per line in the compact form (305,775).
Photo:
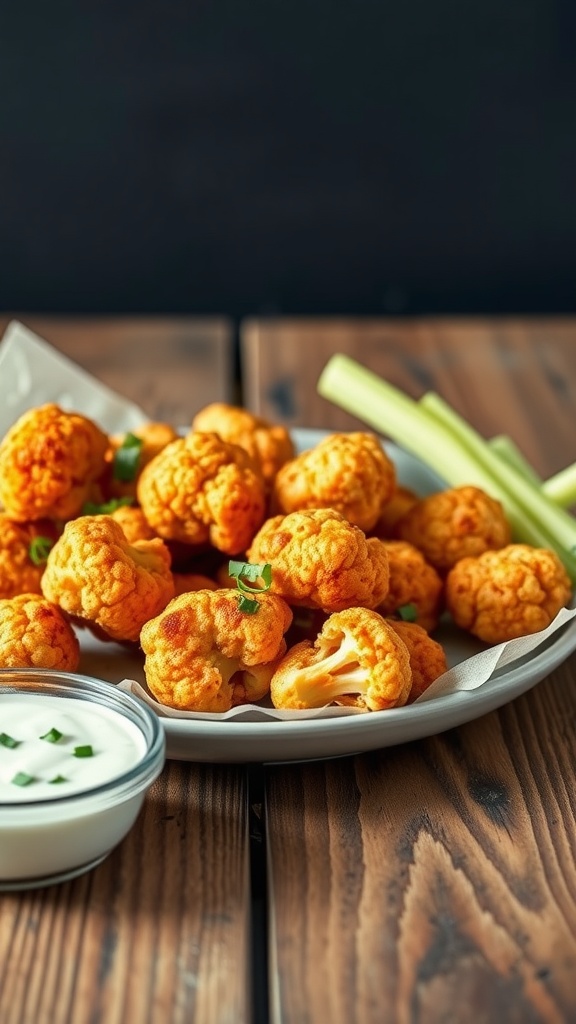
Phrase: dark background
(303,157)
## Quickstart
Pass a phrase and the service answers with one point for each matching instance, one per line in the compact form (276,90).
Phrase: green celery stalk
(561,488)
(414,427)
(508,450)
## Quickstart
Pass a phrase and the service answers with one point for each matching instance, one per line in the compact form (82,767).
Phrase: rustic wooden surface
(170,366)
(435,881)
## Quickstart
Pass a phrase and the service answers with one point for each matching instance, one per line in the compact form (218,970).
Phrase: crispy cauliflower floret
(48,461)
(320,560)
(401,501)
(269,444)
(204,654)
(96,576)
(460,522)
(357,659)
(507,593)
(134,524)
(427,656)
(414,583)
(35,634)
(154,437)
(201,489)
(348,472)
(185,582)
(19,573)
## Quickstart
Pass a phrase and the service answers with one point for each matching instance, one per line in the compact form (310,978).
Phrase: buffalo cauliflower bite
(413,582)
(97,577)
(401,501)
(134,524)
(269,444)
(201,489)
(35,634)
(19,573)
(153,437)
(320,560)
(427,656)
(457,523)
(348,472)
(203,653)
(49,460)
(507,593)
(357,660)
(185,582)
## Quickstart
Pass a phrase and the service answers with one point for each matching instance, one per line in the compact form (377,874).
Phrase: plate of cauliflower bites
(277,595)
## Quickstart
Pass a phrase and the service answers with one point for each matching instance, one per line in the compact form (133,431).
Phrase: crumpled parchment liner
(32,372)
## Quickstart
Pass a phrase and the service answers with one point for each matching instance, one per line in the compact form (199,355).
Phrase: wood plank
(158,932)
(171,366)
(434,881)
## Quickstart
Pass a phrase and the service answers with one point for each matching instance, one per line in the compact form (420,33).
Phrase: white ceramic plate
(268,741)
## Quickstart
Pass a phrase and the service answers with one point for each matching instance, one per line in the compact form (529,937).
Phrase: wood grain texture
(436,881)
(170,366)
(158,932)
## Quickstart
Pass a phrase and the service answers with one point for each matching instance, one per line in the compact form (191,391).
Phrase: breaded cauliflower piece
(19,574)
(154,437)
(320,560)
(508,593)
(401,501)
(357,659)
(186,582)
(268,444)
(460,522)
(48,462)
(35,634)
(427,656)
(201,489)
(348,472)
(96,576)
(134,524)
(413,582)
(204,654)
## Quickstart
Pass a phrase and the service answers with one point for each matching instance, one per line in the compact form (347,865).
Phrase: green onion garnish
(407,612)
(246,604)
(22,779)
(83,751)
(8,741)
(89,508)
(40,549)
(125,462)
(52,736)
(251,571)
(58,778)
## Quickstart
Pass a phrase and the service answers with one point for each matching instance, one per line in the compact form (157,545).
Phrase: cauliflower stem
(334,674)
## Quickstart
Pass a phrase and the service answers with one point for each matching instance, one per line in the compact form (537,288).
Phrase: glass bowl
(77,757)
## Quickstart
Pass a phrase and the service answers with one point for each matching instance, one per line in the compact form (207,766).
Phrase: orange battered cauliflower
(96,576)
(348,472)
(358,659)
(390,514)
(49,460)
(320,560)
(414,583)
(19,573)
(133,522)
(269,444)
(204,654)
(35,634)
(427,656)
(201,489)
(507,593)
(153,437)
(185,582)
(457,523)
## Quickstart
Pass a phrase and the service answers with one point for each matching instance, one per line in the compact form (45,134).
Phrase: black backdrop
(299,157)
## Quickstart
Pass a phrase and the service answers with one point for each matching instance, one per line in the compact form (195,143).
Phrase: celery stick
(536,508)
(561,488)
(508,450)
(413,427)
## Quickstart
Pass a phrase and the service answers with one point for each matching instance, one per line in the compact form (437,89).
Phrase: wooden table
(430,882)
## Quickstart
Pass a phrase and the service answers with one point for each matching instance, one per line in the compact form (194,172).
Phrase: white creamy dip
(38,769)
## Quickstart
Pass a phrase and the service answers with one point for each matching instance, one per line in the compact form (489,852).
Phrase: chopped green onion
(22,779)
(57,779)
(247,604)
(39,549)
(52,736)
(252,572)
(8,741)
(83,751)
(407,612)
(126,457)
(106,508)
